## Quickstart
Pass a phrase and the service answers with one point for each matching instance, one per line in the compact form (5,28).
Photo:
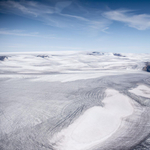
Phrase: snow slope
(74,101)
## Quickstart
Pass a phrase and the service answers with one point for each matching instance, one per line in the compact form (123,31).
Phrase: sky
(75,25)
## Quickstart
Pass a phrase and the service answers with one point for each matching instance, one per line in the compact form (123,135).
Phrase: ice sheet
(68,66)
(96,124)
(141,90)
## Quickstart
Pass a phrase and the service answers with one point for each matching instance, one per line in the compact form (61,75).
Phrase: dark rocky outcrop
(95,53)
(117,54)
(43,56)
(2,58)
(147,67)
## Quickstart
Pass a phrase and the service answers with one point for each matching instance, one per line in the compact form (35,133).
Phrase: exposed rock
(43,56)
(147,67)
(117,54)
(95,53)
(2,58)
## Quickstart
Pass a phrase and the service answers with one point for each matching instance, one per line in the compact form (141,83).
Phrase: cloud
(76,17)
(16,32)
(105,30)
(57,15)
(61,5)
(137,21)
(28,8)
(22,33)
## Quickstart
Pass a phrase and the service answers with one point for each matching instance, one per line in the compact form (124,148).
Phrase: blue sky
(77,25)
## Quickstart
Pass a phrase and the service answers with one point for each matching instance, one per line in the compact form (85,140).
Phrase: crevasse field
(74,101)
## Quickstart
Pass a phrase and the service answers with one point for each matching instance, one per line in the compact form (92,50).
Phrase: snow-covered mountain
(69,63)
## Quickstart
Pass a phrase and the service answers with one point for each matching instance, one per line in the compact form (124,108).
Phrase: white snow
(96,124)
(69,66)
(141,90)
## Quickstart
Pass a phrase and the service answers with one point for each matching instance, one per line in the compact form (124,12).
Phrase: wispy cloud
(76,17)
(37,10)
(54,15)
(16,32)
(22,33)
(138,21)
(105,30)
(61,5)
(26,7)
(100,26)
